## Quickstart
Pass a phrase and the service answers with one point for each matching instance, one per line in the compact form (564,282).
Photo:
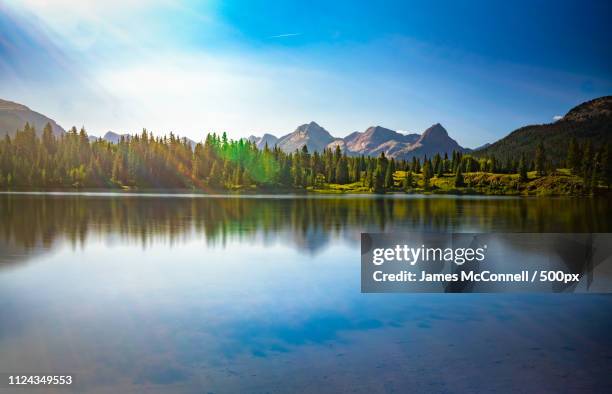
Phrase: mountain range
(589,121)
(371,142)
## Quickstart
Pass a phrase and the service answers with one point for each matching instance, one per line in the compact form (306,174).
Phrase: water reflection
(191,295)
(32,223)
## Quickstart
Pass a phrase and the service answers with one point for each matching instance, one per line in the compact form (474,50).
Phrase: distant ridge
(261,142)
(114,138)
(481,147)
(14,116)
(590,121)
(371,142)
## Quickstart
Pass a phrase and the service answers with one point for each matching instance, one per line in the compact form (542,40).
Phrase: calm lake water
(176,294)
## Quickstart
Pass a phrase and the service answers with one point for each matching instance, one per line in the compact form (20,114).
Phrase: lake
(191,293)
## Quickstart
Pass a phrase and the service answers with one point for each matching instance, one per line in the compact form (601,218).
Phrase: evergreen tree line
(145,161)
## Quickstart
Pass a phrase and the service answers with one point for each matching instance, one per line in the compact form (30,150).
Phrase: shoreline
(558,184)
(188,193)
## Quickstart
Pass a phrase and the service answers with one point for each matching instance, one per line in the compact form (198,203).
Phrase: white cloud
(557,117)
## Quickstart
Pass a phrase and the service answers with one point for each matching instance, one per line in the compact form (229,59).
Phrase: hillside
(590,121)
(14,116)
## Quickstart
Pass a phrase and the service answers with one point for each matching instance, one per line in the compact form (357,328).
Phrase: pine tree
(437,161)
(573,156)
(595,166)
(389,176)
(430,171)
(427,173)
(195,168)
(238,176)
(214,179)
(522,169)
(540,160)
(342,171)
(586,164)
(48,139)
(459,180)
(285,173)
(297,172)
(606,170)
(378,179)
(408,181)
(118,175)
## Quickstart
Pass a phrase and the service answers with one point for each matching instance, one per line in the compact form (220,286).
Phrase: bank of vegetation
(45,161)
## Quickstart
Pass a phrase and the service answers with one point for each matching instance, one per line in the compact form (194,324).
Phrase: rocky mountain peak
(435,131)
(314,129)
(315,137)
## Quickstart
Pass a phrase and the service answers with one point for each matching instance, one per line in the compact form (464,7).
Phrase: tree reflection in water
(33,223)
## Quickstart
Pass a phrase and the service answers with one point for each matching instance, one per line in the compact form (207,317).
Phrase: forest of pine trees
(169,162)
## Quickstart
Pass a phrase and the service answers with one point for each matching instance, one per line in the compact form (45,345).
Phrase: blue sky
(480,68)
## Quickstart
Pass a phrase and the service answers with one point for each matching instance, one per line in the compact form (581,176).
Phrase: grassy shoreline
(560,183)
